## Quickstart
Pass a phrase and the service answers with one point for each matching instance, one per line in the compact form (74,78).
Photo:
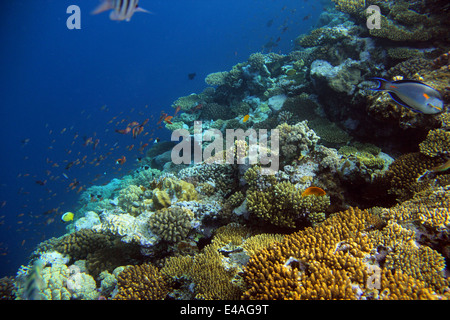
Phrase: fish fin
(104,6)
(139,9)
(114,16)
(381,84)
(397,99)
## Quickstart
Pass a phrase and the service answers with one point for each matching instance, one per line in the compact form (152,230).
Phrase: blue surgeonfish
(412,94)
(122,9)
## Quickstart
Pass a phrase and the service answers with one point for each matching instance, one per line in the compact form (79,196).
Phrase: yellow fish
(67,217)
(245,119)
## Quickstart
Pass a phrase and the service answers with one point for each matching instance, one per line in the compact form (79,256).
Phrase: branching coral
(437,143)
(214,272)
(330,261)
(141,282)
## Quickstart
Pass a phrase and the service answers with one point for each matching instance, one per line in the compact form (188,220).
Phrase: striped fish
(122,9)
(34,282)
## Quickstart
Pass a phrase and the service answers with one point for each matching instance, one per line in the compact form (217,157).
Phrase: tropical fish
(245,119)
(121,160)
(123,131)
(313,191)
(144,122)
(33,282)
(167,119)
(67,217)
(191,76)
(162,117)
(122,9)
(412,94)
(177,109)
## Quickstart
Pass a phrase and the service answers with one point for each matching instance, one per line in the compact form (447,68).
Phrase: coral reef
(141,282)
(403,174)
(334,260)
(295,140)
(353,222)
(282,204)
(171,224)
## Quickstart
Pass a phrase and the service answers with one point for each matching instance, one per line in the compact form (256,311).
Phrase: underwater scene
(225,150)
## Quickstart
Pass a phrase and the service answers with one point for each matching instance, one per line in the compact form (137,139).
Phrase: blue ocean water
(60,88)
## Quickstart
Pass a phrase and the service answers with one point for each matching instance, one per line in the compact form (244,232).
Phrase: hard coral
(169,190)
(282,204)
(329,261)
(437,143)
(141,282)
(171,224)
(295,140)
(404,173)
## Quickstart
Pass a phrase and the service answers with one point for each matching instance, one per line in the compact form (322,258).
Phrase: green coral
(186,103)
(216,78)
(329,132)
(176,125)
(215,111)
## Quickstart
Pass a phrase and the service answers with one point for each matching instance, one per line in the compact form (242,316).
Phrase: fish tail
(382,84)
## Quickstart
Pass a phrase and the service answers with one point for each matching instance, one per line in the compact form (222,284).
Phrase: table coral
(141,282)
(329,261)
(171,224)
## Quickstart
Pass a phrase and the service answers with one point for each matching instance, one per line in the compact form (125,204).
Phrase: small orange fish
(167,119)
(121,160)
(133,124)
(177,109)
(161,118)
(123,131)
(143,147)
(145,122)
(245,119)
(313,191)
